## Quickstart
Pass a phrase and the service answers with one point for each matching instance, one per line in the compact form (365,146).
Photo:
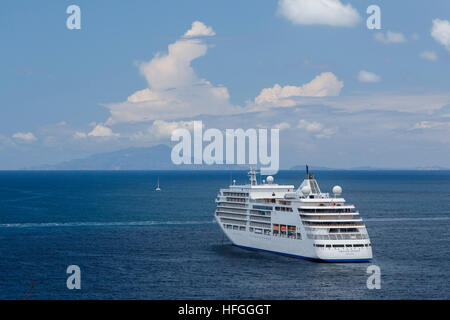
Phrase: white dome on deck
(337,190)
(306,190)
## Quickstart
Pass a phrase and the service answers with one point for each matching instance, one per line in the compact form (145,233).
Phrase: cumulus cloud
(199,29)
(6,141)
(325,133)
(102,131)
(430,125)
(281,126)
(316,128)
(318,12)
(79,135)
(324,85)
(310,126)
(428,55)
(161,129)
(174,89)
(25,137)
(440,32)
(366,76)
(387,102)
(390,37)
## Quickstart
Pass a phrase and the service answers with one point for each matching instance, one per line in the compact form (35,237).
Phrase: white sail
(158,188)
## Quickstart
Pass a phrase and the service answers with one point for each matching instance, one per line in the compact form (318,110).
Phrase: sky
(341,94)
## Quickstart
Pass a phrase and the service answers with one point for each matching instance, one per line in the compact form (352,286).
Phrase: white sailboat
(158,188)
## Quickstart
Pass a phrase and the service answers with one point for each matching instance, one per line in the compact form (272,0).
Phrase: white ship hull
(304,249)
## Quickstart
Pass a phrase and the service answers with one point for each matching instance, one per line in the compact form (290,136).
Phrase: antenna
(308,175)
(252,175)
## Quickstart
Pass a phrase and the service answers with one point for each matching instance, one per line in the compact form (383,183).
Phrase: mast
(308,175)
(252,177)
(310,182)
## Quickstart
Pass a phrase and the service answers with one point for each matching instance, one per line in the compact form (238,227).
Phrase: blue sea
(132,242)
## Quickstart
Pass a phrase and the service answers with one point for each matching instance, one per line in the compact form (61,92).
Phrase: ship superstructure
(301,222)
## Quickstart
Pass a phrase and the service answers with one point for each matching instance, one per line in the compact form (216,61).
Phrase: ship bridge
(310,186)
(266,190)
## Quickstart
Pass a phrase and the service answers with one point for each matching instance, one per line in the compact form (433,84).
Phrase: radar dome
(337,190)
(306,190)
(269,179)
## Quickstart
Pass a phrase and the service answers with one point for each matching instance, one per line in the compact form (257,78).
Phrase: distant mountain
(151,158)
(312,168)
(432,168)
(158,158)
(368,168)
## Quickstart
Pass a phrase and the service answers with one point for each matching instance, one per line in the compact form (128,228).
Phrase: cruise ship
(303,222)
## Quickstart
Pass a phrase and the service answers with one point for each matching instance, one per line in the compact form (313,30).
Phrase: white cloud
(102,131)
(441,32)
(316,128)
(199,29)
(79,135)
(390,37)
(318,12)
(6,141)
(174,89)
(429,55)
(430,125)
(164,129)
(366,76)
(385,102)
(326,133)
(143,95)
(27,137)
(325,84)
(310,126)
(160,130)
(281,126)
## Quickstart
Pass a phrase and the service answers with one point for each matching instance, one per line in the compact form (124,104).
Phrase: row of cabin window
(338,236)
(342,245)
(230,226)
(290,234)
(235,194)
(295,235)
(328,210)
(235,199)
(262,213)
(286,209)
